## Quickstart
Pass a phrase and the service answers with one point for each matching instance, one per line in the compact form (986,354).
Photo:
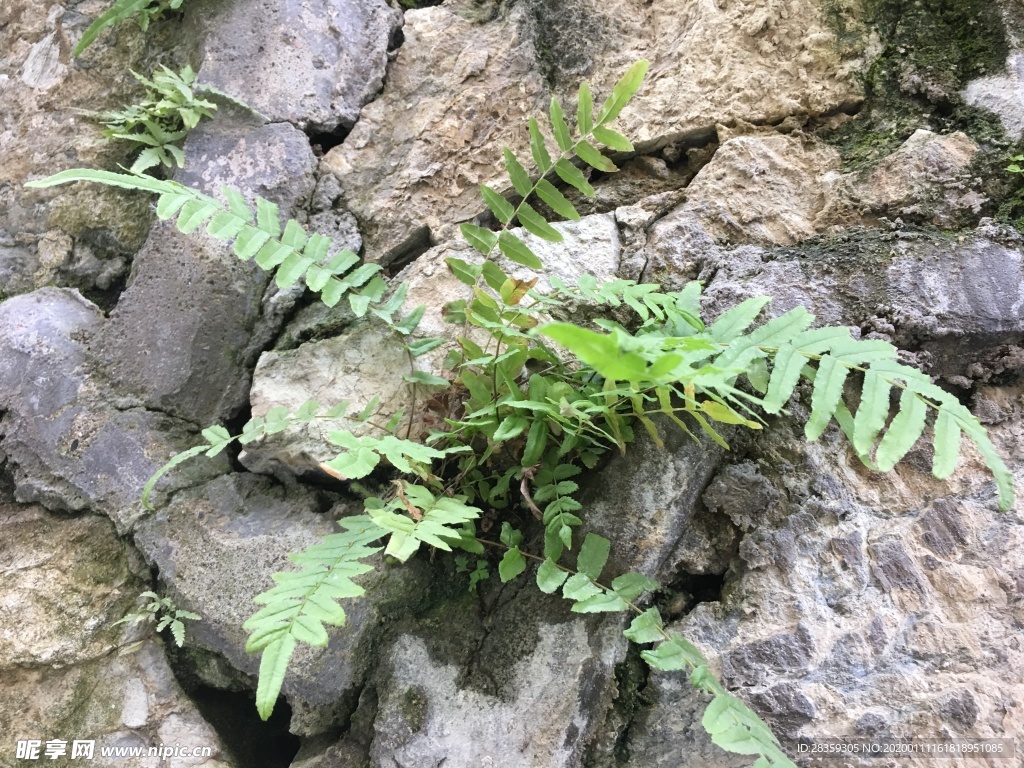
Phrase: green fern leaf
(559,127)
(584,110)
(572,175)
(273,666)
(118,12)
(535,223)
(194,214)
(623,91)
(482,239)
(906,428)
(828,389)
(731,323)
(517,174)
(500,207)
(516,250)
(588,154)
(237,204)
(872,413)
(612,139)
(790,360)
(249,242)
(947,445)
(547,192)
(538,148)
(267,217)
(175,461)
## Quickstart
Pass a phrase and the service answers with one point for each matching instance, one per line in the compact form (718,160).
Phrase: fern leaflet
(297,609)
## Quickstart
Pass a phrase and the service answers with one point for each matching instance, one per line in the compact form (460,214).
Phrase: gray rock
(1002,94)
(954,299)
(313,66)
(71,450)
(216,547)
(211,305)
(70,673)
(428,715)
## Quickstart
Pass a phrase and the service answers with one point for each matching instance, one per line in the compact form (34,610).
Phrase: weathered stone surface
(925,179)
(457,104)
(955,299)
(70,449)
(43,130)
(68,673)
(68,580)
(211,305)
(762,189)
(1003,94)
(312,65)
(361,363)
(216,547)
(463,86)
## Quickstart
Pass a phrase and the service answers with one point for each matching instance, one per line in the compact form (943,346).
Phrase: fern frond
(297,609)
(120,11)
(290,251)
(416,516)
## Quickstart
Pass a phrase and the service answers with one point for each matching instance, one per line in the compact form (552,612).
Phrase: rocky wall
(845,156)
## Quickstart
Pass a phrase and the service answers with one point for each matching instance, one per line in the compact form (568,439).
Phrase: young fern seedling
(144,11)
(531,404)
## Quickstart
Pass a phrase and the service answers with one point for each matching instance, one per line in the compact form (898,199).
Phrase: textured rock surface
(84,237)
(211,304)
(833,600)
(313,66)
(465,79)
(216,547)
(1003,94)
(71,450)
(67,672)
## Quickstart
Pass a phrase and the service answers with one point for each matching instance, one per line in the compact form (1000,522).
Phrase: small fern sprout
(164,612)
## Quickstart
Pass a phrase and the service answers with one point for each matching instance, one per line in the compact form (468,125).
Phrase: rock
(667,717)
(928,179)
(314,68)
(44,129)
(216,547)
(69,580)
(762,189)
(426,718)
(210,327)
(464,82)
(954,299)
(67,672)
(463,86)
(1002,94)
(70,449)
(363,362)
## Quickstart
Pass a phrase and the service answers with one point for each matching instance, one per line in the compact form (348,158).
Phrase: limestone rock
(216,547)
(313,66)
(68,672)
(70,449)
(68,580)
(211,304)
(459,89)
(762,189)
(1003,94)
(464,82)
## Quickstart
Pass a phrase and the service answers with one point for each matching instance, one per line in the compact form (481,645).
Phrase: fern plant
(532,404)
(143,11)
(160,122)
(164,612)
